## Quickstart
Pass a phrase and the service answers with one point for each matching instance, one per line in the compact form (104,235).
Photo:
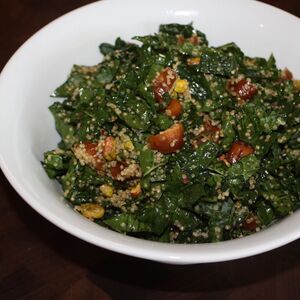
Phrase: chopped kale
(177,141)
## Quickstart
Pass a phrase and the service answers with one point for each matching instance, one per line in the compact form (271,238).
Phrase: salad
(172,140)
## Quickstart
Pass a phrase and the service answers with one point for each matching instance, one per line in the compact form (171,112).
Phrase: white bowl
(44,61)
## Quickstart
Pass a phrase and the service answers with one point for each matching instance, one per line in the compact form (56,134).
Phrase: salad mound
(172,140)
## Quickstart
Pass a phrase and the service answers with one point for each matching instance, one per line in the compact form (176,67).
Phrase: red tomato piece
(99,164)
(185,179)
(174,108)
(250,224)
(163,83)
(168,141)
(210,128)
(237,151)
(91,149)
(243,89)
(195,39)
(286,74)
(117,169)
(180,39)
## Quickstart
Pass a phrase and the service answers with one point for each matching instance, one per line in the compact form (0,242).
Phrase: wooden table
(40,261)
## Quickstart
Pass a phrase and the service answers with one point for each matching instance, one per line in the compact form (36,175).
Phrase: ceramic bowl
(43,63)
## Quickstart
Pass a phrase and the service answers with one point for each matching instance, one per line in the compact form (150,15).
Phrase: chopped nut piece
(91,210)
(136,191)
(109,150)
(297,84)
(193,61)
(106,190)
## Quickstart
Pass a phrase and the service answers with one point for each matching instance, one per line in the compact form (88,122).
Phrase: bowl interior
(43,63)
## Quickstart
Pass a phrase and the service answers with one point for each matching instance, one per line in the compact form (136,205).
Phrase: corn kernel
(181,86)
(91,210)
(194,61)
(106,190)
(136,191)
(297,84)
(109,149)
(128,145)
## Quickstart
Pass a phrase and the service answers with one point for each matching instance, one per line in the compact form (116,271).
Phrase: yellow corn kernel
(297,84)
(181,86)
(109,148)
(106,190)
(194,61)
(128,145)
(136,191)
(91,210)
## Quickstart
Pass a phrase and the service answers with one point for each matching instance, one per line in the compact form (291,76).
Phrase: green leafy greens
(237,170)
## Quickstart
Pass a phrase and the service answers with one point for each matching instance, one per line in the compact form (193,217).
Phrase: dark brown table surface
(40,261)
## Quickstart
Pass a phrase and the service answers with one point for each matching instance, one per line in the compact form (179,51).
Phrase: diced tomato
(163,83)
(250,224)
(91,149)
(195,39)
(117,169)
(286,74)
(237,151)
(168,141)
(185,179)
(211,128)
(174,108)
(243,89)
(180,39)
(99,164)
(212,132)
